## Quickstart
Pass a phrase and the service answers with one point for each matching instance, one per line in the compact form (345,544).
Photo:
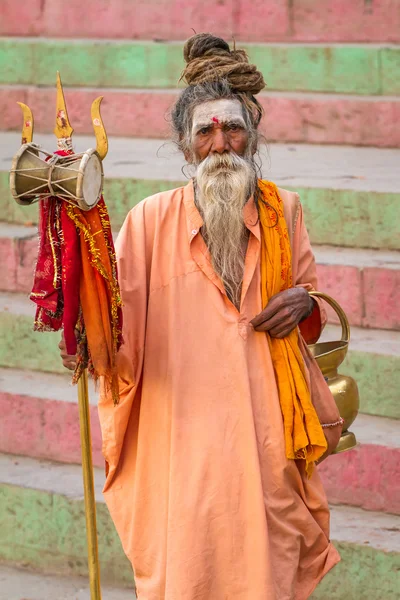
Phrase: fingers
(69,363)
(68,360)
(282,331)
(283,312)
(269,311)
(284,315)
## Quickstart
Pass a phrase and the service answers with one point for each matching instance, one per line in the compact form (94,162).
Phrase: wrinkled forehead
(220,111)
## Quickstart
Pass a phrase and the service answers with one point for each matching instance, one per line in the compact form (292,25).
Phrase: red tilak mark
(215,120)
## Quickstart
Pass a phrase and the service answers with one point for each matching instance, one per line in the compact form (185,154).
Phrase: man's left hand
(284,312)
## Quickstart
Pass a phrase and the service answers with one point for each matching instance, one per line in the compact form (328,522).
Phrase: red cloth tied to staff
(76,285)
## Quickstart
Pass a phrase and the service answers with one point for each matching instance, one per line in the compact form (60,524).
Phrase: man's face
(218,127)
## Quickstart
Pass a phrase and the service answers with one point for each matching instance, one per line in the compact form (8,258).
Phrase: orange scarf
(304,437)
(99,294)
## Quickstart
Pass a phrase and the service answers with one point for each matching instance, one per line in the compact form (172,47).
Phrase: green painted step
(45,530)
(361,574)
(373,360)
(348,69)
(43,521)
(352,218)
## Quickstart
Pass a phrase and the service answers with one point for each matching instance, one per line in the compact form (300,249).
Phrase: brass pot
(329,355)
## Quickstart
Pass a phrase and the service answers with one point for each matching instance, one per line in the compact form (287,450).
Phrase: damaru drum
(37,174)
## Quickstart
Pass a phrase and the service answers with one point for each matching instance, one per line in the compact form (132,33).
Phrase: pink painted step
(18,249)
(40,419)
(365,282)
(289,117)
(281,20)
(369,475)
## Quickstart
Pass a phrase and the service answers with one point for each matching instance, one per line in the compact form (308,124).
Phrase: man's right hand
(68,360)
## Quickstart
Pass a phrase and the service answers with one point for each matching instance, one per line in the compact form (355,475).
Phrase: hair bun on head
(209,58)
(201,43)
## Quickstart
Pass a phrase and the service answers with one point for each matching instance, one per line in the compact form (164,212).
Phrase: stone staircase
(333,83)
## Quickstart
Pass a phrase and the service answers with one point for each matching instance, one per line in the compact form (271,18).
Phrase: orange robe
(205,502)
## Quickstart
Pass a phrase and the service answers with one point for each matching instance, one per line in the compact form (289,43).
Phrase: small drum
(37,174)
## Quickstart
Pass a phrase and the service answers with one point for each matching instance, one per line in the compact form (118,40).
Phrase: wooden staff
(88,487)
(63,129)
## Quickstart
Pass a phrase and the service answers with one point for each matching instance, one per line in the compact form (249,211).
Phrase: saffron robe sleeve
(134,259)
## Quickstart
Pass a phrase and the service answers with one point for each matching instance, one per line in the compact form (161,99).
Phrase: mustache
(227,161)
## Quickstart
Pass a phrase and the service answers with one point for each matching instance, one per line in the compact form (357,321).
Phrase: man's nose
(220,141)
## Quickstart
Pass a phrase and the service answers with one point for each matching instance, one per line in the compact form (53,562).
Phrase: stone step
(45,526)
(373,359)
(365,282)
(18,248)
(363,69)
(367,477)
(163,20)
(45,531)
(294,117)
(350,195)
(40,420)
(358,533)
(23,584)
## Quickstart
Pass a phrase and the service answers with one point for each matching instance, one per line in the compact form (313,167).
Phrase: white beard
(224,183)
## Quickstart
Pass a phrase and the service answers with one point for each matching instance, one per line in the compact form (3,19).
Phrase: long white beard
(224,183)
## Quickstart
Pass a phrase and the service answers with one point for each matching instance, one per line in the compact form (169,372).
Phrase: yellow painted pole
(88,486)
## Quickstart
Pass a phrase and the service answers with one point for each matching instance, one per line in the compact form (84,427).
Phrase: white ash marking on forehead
(224,110)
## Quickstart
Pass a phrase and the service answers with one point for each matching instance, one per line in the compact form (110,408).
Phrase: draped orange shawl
(304,437)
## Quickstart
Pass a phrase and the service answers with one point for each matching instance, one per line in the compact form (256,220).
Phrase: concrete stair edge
(300,165)
(52,539)
(325,254)
(46,386)
(17,582)
(373,358)
(66,480)
(369,429)
(366,282)
(372,341)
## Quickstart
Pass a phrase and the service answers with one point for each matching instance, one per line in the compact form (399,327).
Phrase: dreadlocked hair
(215,72)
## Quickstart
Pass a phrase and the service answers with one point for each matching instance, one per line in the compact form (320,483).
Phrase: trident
(32,173)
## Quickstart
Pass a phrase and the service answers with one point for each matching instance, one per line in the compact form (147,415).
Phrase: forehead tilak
(217,111)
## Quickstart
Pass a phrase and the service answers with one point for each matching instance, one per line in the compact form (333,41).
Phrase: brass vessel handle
(339,311)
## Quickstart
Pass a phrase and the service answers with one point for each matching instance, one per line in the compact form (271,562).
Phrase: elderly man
(210,451)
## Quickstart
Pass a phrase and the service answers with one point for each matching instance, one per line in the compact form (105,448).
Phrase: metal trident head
(63,129)
(27,127)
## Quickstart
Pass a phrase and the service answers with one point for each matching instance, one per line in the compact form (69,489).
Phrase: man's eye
(204,130)
(233,126)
